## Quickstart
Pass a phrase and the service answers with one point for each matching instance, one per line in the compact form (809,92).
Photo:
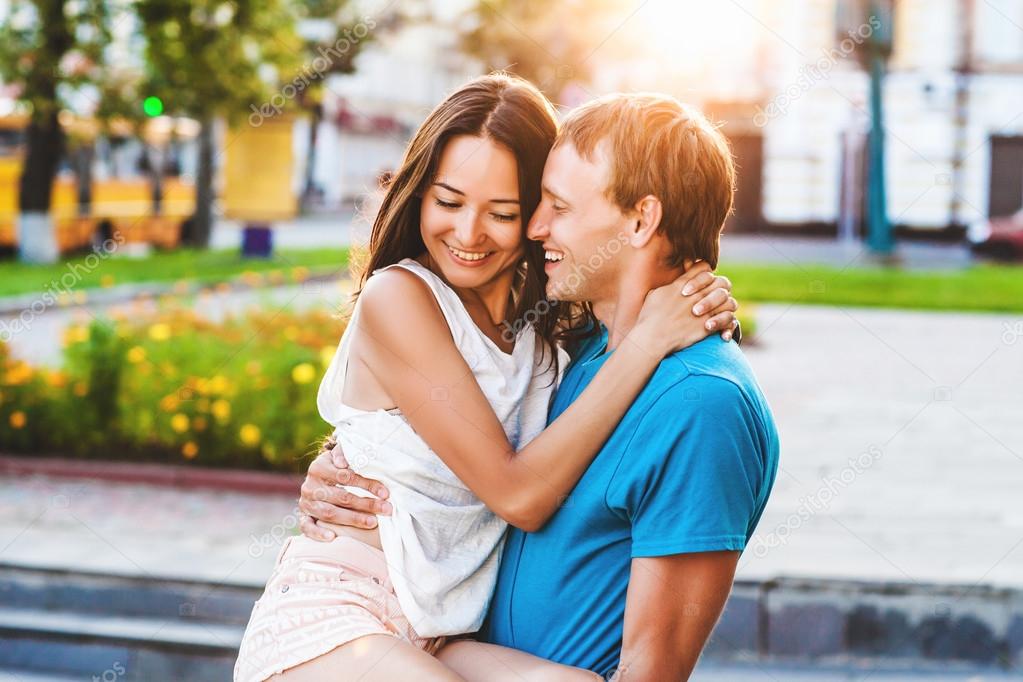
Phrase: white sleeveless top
(442,544)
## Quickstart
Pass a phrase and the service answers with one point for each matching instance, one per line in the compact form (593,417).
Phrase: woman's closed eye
(505,217)
(446,204)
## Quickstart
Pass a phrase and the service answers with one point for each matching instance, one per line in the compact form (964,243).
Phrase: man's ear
(646,218)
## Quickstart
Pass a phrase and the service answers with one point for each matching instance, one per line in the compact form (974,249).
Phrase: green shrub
(173,386)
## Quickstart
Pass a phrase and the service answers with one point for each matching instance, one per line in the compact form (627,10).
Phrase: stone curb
(15,305)
(266,482)
(821,619)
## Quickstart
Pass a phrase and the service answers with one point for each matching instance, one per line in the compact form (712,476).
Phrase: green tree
(49,49)
(333,35)
(216,58)
(549,43)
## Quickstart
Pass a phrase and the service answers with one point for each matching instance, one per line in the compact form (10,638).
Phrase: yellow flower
(19,373)
(160,331)
(57,379)
(303,373)
(300,274)
(76,334)
(291,332)
(221,410)
(218,384)
(18,419)
(189,450)
(136,355)
(326,355)
(199,423)
(169,402)
(179,422)
(106,281)
(249,434)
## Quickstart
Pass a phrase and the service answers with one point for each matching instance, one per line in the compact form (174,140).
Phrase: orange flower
(18,419)
(190,450)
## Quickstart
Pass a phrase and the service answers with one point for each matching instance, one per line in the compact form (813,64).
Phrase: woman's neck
(493,296)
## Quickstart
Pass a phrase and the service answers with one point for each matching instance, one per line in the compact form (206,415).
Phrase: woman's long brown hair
(513,113)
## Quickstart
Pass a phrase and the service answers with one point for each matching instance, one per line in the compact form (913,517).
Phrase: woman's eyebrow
(449,188)
(458,191)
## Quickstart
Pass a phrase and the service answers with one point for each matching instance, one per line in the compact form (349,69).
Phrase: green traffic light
(153,106)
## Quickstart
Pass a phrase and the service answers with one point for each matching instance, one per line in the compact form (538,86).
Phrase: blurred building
(782,77)
(400,76)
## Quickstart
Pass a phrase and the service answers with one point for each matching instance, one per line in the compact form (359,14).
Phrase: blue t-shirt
(688,469)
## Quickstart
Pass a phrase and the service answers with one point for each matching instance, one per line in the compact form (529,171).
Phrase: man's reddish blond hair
(657,145)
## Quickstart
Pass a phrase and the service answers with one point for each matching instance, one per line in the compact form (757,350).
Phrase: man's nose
(538,228)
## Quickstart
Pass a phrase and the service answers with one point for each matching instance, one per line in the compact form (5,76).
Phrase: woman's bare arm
(410,352)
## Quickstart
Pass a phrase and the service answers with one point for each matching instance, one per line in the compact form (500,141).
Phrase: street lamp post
(868,23)
(879,229)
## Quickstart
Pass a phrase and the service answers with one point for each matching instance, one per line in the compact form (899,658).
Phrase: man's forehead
(566,165)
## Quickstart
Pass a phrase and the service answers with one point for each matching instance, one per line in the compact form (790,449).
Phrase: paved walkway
(926,406)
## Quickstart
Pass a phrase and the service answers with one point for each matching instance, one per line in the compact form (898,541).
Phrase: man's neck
(619,312)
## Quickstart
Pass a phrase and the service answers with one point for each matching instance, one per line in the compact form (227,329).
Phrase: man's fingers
(349,477)
(339,497)
(329,514)
(313,530)
(337,454)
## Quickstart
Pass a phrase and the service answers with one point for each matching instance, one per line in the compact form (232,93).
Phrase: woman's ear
(646,218)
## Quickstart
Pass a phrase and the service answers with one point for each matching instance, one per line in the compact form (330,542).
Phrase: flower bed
(176,387)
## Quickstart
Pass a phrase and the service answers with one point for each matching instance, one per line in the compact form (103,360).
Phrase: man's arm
(672,605)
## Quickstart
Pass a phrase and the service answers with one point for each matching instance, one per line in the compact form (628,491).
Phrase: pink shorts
(321,595)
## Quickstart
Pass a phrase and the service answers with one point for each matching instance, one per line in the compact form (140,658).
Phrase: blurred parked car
(998,238)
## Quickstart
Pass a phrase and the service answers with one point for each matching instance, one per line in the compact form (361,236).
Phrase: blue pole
(879,230)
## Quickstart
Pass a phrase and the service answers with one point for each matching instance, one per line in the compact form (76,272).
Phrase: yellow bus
(119,197)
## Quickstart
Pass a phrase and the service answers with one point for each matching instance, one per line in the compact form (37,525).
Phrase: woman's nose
(468,229)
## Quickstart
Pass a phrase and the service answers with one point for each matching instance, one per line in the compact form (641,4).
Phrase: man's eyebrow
(458,191)
(547,190)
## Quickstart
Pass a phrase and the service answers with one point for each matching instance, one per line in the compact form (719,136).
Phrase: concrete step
(13,675)
(115,595)
(112,627)
(116,647)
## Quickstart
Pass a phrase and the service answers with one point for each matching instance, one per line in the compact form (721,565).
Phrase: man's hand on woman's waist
(323,500)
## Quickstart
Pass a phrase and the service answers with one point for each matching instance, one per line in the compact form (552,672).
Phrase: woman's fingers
(695,281)
(711,301)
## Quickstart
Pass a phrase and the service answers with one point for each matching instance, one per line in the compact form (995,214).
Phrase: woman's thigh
(492,663)
(368,659)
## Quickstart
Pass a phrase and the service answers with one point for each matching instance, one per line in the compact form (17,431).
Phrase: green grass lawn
(980,288)
(168,266)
